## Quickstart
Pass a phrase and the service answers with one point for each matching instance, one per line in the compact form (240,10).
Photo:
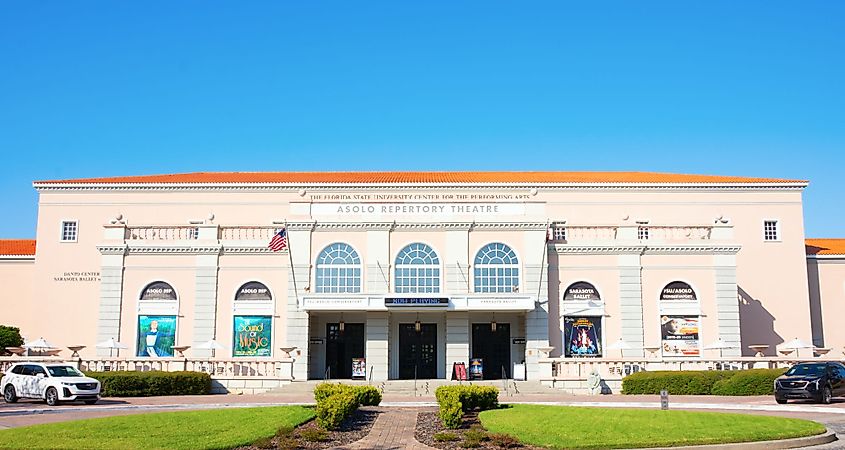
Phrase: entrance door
(417,351)
(341,347)
(494,349)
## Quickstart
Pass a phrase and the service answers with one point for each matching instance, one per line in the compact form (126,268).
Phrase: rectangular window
(560,233)
(642,233)
(70,229)
(771,230)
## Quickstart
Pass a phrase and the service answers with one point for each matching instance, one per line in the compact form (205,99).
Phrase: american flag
(279,241)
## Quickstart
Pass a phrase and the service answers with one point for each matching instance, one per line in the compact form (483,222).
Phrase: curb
(807,441)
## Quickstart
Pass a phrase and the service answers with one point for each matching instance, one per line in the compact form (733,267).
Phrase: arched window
(417,270)
(253,291)
(496,269)
(338,270)
(158,290)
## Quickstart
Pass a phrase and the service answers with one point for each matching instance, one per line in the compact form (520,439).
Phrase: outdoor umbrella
(621,345)
(795,344)
(719,345)
(39,345)
(210,345)
(111,344)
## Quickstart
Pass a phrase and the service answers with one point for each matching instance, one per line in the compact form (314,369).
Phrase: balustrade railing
(175,233)
(259,233)
(217,368)
(580,368)
(679,233)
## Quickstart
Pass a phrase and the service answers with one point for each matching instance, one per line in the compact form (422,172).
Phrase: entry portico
(418,336)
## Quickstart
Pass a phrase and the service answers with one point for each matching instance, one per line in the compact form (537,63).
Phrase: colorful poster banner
(680,336)
(582,336)
(156,335)
(252,336)
(359,368)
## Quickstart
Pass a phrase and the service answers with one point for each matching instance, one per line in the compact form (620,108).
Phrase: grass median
(587,427)
(207,429)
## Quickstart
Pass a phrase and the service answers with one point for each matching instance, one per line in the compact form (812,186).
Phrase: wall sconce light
(493,324)
(342,325)
(417,324)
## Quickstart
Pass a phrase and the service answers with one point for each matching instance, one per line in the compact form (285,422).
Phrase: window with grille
(417,270)
(496,269)
(70,229)
(642,233)
(338,270)
(559,233)
(770,230)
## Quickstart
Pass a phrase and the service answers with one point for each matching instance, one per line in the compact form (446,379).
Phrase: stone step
(408,387)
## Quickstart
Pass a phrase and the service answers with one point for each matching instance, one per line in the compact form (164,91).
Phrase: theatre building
(402,275)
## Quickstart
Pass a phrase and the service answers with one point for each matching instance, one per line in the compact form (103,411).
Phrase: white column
(631,302)
(299,242)
(205,297)
(727,303)
(112,253)
(535,281)
(377,349)
(457,340)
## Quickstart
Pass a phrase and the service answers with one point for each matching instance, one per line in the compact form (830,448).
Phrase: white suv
(51,382)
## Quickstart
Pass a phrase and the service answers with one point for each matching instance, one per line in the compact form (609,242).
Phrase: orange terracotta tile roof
(17,247)
(423,177)
(825,246)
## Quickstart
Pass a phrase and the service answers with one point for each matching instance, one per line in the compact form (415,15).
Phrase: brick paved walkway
(394,429)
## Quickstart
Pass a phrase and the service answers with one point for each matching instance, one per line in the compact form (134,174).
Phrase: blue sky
(720,87)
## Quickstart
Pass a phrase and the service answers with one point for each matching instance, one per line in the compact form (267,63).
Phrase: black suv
(820,381)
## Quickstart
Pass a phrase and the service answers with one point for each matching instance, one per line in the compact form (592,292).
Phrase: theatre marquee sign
(401,205)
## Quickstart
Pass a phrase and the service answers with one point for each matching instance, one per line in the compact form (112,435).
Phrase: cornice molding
(112,249)
(169,249)
(677,249)
(329,187)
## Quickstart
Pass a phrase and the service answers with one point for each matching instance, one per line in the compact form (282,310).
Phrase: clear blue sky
(720,87)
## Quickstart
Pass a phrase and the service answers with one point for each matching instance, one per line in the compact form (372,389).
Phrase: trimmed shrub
(451,410)
(366,395)
(699,382)
(153,383)
(334,409)
(748,382)
(446,436)
(455,400)
(502,440)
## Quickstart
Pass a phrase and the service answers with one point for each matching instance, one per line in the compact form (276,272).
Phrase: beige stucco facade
(627,240)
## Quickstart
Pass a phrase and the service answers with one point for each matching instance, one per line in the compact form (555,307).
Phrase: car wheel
(9,395)
(827,395)
(52,397)
(90,402)
(781,401)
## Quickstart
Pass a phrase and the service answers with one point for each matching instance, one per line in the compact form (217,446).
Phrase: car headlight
(64,383)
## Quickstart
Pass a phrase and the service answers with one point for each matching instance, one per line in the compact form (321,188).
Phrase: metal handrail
(326,373)
(370,376)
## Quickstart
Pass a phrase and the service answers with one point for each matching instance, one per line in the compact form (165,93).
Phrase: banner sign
(581,290)
(156,335)
(359,368)
(253,291)
(252,336)
(158,290)
(416,301)
(582,336)
(677,290)
(476,369)
(680,335)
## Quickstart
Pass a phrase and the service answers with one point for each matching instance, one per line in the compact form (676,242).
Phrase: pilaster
(299,243)
(377,348)
(727,304)
(457,340)
(631,303)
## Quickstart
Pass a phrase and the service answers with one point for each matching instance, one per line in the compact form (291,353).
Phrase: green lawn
(211,429)
(586,427)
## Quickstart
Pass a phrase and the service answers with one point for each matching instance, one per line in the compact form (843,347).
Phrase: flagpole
(292,270)
(543,260)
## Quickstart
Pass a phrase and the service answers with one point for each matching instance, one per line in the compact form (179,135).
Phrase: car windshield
(63,371)
(806,370)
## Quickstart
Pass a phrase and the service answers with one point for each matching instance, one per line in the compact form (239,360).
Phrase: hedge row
(702,382)
(153,383)
(336,402)
(455,400)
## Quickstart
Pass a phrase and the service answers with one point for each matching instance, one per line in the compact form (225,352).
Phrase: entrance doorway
(417,351)
(494,349)
(341,347)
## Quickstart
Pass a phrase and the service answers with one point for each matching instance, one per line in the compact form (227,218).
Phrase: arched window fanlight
(417,270)
(496,269)
(338,270)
